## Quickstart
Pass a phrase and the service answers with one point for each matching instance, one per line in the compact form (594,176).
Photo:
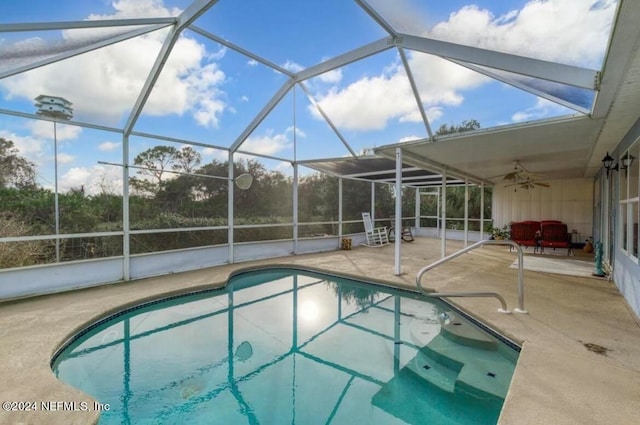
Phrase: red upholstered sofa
(525,233)
(541,234)
(555,235)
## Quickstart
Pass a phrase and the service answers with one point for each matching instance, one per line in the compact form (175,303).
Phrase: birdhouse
(54,107)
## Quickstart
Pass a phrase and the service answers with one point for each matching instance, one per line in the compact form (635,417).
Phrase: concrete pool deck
(580,359)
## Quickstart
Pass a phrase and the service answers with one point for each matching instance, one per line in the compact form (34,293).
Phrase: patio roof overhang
(383,170)
(559,149)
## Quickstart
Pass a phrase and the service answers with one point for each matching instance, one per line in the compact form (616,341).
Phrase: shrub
(18,254)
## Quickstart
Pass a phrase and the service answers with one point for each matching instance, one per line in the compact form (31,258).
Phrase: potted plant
(499,233)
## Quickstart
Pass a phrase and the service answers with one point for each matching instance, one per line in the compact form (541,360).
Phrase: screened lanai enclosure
(142,138)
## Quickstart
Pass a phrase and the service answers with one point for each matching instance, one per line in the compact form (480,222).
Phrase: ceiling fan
(522,178)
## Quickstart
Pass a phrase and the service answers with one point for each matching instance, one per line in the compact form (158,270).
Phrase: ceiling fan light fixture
(523,178)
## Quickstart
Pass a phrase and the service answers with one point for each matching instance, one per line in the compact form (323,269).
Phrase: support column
(295,175)
(295,208)
(339,211)
(373,202)
(443,241)
(126,225)
(398,223)
(482,211)
(56,206)
(230,209)
(417,209)
(466,212)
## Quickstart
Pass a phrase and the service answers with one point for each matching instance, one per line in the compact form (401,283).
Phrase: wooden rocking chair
(376,236)
(405,235)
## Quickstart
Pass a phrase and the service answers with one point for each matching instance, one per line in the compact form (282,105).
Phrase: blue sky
(208,93)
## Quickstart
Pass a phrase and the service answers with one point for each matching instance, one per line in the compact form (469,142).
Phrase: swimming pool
(280,346)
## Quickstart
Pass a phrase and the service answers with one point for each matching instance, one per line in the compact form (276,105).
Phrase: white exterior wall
(570,201)
(51,278)
(626,268)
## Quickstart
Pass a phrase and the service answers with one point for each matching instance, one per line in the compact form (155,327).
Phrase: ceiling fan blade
(495,177)
(511,176)
(522,177)
(534,175)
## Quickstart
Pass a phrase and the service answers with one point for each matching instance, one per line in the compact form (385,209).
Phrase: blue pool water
(283,346)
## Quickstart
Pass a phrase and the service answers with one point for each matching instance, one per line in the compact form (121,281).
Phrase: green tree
(466,125)
(159,160)
(15,171)
(455,195)
(318,197)
(187,160)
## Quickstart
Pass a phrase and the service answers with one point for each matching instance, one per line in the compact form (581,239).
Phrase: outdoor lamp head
(607,161)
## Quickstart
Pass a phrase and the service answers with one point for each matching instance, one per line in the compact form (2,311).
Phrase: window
(629,197)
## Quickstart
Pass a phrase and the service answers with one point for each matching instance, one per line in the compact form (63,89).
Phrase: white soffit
(557,148)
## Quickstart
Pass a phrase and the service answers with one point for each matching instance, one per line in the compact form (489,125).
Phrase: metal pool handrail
(504,308)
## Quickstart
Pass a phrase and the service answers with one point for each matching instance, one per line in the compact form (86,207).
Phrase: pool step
(465,333)
(414,400)
(440,375)
(453,366)
(481,373)
(454,329)
(453,379)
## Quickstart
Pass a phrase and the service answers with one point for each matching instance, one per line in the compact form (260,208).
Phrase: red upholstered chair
(555,235)
(525,233)
(535,225)
(550,222)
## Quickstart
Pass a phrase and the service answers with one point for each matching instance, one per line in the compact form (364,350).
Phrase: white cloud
(299,133)
(208,103)
(108,146)
(543,108)
(252,62)
(292,66)
(369,103)
(267,144)
(327,78)
(116,74)
(402,15)
(284,167)
(96,179)
(409,139)
(573,31)
(32,148)
(65,158)
(137,9)
(213,153)
(331,77)
(270,143)
(44,130)
(38,148)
